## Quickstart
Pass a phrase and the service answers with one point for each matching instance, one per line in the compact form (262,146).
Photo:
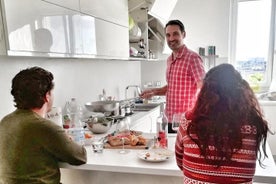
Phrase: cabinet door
(71,4)
(111,39)
(2,35)
(41,28)
(147,124)
(113,11)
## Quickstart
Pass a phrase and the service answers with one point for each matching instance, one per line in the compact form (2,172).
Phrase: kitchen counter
(113,167)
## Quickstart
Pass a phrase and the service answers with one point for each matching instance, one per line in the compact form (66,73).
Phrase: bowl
(99,125)
(102,106)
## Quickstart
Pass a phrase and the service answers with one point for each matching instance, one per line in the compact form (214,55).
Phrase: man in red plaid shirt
(184,74)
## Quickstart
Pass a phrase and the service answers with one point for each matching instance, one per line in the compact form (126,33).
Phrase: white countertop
(267,102)
(112,161)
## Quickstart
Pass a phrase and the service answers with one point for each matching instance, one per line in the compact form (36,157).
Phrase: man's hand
(147,94)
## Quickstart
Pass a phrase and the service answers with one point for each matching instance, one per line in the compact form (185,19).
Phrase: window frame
(271,47)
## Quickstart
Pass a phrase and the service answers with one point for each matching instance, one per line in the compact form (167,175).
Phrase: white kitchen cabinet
(146,28)
(111,11)
(41,28)
(269,109)
(147,123)
(71,4)
(2,36)
(111,39)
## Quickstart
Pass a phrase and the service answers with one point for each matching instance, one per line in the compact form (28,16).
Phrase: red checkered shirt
(182,75)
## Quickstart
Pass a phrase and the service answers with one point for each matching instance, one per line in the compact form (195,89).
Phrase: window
(252,40)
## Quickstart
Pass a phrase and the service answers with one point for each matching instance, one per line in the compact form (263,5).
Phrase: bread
(133,140)
(117,141)
(129,139)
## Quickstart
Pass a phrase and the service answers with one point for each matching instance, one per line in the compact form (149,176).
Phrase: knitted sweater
(240,169)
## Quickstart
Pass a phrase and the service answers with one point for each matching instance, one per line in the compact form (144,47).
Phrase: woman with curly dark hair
(221,139)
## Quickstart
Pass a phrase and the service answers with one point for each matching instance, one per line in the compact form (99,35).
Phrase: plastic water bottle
(72,118)
(162,129)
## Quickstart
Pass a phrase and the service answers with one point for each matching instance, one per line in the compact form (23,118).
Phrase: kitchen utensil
(102,106)
(99,125)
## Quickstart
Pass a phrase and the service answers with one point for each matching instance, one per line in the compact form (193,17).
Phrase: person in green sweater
(30,145)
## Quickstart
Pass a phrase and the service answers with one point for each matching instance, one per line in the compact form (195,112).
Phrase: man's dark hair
(30,86)
(178,23)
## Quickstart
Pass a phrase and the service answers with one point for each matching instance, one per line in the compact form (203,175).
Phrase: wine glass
(177,120)
(122,129)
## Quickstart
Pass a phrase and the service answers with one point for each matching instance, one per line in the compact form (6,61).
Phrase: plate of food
(155,155)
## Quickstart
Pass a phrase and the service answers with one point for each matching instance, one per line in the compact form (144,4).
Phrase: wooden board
(108,146)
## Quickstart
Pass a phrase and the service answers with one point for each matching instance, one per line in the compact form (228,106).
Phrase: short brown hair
(30,86)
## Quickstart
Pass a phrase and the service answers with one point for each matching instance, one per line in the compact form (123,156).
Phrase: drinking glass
(177,120)
(97,145)
(122,128)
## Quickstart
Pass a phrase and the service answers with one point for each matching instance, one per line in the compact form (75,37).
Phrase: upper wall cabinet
(52,29)
(42,29)
(109,10)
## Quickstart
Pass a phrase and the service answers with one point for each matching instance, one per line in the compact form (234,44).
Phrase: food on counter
(155,155)
(118,141)
(132,138)
(87,135)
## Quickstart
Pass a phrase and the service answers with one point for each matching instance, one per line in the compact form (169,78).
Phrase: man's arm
(153,92)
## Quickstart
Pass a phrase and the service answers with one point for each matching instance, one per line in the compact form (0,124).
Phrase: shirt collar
(180,53)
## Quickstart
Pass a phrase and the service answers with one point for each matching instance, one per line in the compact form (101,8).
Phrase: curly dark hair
(30,86)
(225,103)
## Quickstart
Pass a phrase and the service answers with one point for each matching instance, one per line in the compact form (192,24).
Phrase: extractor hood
(162,10)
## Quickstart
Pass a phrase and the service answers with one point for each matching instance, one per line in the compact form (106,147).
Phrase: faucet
(133,86)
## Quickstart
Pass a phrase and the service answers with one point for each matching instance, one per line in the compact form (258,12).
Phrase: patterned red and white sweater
(240,169)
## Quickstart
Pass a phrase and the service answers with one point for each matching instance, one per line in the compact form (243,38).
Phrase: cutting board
(108,146)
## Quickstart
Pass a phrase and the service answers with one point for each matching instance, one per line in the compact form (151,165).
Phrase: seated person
(30,145)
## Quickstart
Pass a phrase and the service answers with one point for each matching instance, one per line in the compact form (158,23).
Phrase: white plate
(155,155)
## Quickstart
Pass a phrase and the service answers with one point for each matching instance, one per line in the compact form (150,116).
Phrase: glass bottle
(67,116)
(162,129)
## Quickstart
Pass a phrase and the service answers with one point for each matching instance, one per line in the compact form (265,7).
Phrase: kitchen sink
(144,107)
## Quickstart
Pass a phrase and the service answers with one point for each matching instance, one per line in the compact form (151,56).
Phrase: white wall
(80,78)
(206,23)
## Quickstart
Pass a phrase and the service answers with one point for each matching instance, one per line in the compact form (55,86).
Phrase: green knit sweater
(31,147)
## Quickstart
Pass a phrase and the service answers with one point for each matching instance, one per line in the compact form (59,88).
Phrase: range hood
(162,10)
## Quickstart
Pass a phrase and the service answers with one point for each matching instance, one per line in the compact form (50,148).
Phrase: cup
(97,145)
(55,115)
